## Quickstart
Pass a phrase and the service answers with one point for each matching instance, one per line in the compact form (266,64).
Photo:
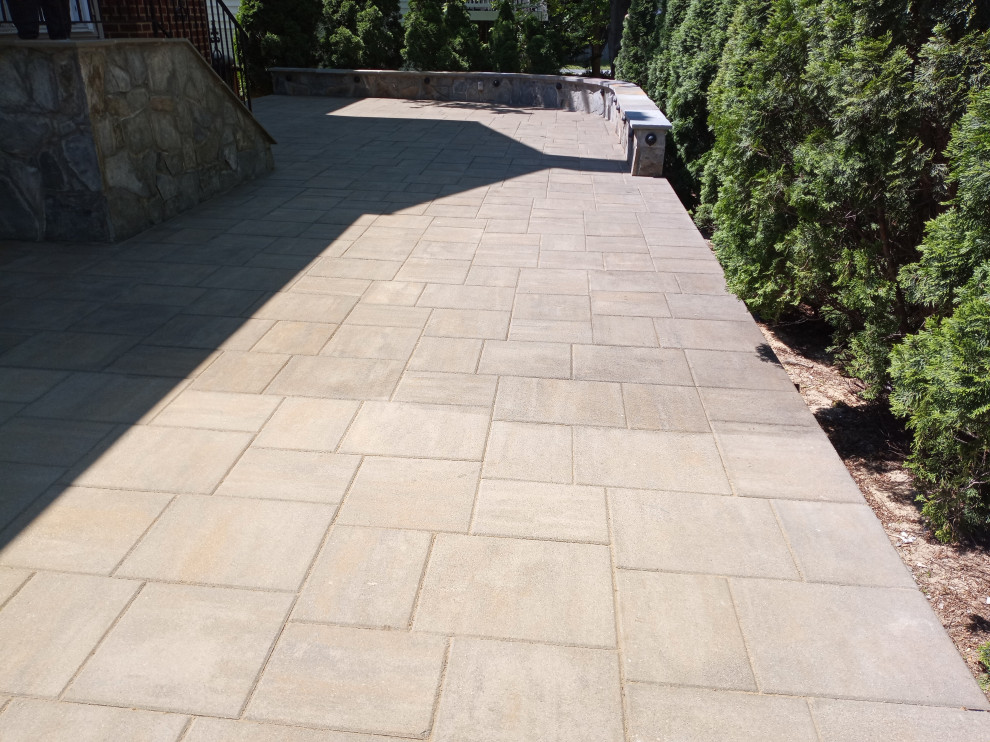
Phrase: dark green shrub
(542,48)
(466,52)
(638,31)
(281,33)
(941,376)
(361,33)
(426,38)
(504,43)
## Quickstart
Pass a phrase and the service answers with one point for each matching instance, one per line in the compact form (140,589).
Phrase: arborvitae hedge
(814,134)
(281,33)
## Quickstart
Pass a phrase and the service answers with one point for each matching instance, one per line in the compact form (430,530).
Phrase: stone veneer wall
(102,139)
(636,119)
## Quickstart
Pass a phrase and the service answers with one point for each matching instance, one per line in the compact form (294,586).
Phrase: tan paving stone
(28,440)
(343,378)
(761,463)
(231,541)
(553,281)
(468,323)
(429,387)
(681,630)
(205,729)
(373,270)
(842,543)
(433,270)
(644,365)
(237,371)
(466,297)
(359,341)
(30,720)
(756,406)
(353,679)
(389,315)
(560,307)
(702,283)
(308,476)
(561,512)
(687,462)
(742,336)
(529,451)
(48,629)
(637,331)
(365,577)
(757,370)
(655,407)
(307,424)
(571,259)
(166,459)
(412,493)
(452,355)
(564,401)
(629,304)
(22,484)
(702,306)
(514,692)
(518,589)
(82,530)
(10,582)
(407,429)
(862,721)
(300,307)
(632,282)
(184,648)
(699,715)
(403,293)
(850,642)
(680,532)
(481,275)
(542,330)
(513,358)
(327,285)
(218,411)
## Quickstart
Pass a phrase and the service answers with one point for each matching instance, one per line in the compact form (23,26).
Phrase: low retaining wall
(103,139)
(635,118)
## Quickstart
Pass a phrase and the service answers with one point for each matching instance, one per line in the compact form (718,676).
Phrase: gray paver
(205,729)
(218,411)
(568,402)
(514,692)
(338,378)
(681,630)
(29,720)
(562,512)
(512,358)
(850,642)
(643,365)
(516,589)
(407,429)
(860,721)
(184,648)
(307,424)
(529,451)
(309,476)
(699,715)
(353,679)
(656,407)
(10,581)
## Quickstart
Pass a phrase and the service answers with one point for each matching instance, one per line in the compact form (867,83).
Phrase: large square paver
(238,371)
(529,451)
(408,429)
(790,463)
(365,577)
(681,630)
(664,713)
(862,721)
(351,679)
(82,530)
(564,401)
(184,648)
(498,691)
(307,424)
(655,407)
(843,543)
(430,494)
(850,642)
(48,629)
(681,532)
(30,720)
(687,462)
(516,589)
(451,355)
(273,474)
(218,411)
(231,541)
(166,459)
(561,512)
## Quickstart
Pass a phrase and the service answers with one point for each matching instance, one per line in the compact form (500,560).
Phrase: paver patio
(446,430)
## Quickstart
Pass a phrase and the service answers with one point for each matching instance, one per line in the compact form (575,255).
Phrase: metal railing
(84,15)
(213,30)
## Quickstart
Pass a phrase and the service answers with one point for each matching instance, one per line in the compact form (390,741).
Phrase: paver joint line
(460,439)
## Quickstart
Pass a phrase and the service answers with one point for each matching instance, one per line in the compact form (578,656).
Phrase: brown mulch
(873,444)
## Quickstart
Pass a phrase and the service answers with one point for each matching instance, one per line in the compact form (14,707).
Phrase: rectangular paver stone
(407,429)
(562,512)
(29,720)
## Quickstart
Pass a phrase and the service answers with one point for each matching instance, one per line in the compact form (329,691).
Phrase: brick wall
(132,19)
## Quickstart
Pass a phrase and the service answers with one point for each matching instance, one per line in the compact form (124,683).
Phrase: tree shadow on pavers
(97,338)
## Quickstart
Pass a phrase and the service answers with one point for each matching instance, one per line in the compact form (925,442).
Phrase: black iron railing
(84,17)
(213,30)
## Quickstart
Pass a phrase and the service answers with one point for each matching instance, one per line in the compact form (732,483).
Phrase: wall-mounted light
(559,86)
(357,79)
(426,81)
(651,139)
(497,83)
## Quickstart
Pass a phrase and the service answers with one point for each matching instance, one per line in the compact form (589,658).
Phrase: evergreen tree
(280,33)
(426,42)
(638,30)
(361,33)
(542,52)
(505,39)
(464,43)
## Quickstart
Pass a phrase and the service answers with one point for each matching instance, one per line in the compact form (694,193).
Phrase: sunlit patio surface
(446,430)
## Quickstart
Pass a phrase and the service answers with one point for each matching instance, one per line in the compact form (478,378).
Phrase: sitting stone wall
(637,121)
(103,139)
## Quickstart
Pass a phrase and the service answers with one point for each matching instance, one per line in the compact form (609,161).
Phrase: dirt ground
(873,444)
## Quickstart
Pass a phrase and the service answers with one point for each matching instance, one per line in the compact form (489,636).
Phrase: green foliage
(504,42)
(440,36)
(360,34)
(583,25)
(281,33)
(465,45)
(941,376)
(638,31)
(541,46)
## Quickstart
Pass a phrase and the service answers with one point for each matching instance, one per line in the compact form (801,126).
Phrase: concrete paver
(447,430)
